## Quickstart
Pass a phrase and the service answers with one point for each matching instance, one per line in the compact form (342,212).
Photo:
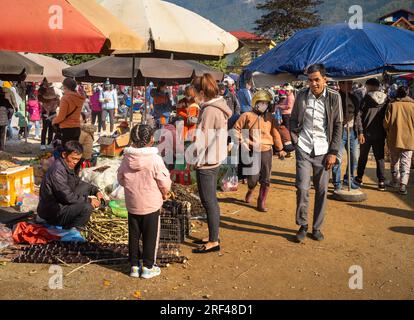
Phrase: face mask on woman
(261,107)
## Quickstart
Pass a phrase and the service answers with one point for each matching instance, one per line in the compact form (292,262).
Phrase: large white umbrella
(168,28)
(52,68)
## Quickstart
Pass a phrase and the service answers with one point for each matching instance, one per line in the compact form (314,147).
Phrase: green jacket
(22,115)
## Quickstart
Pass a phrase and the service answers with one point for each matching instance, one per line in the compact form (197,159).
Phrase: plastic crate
(175,221)
(182,177)
(172,230)
(15,181)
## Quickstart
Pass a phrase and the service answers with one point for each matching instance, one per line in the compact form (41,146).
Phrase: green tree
(74,59)
(284,17)
(237,60)
(219,65)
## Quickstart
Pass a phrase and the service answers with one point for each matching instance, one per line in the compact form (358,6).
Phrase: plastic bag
(103,180)
(69,235)
(14,123)
(6,238)
(230,181)
(118,193)
(29,203)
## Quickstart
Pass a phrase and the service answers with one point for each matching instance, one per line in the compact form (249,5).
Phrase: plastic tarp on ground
(344,51)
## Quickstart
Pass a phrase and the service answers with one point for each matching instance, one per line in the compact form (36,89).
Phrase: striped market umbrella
(64,26)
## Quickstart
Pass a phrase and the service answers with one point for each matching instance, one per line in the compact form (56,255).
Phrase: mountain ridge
(241,14)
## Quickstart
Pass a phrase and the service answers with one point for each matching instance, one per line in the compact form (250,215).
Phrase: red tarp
(32,234)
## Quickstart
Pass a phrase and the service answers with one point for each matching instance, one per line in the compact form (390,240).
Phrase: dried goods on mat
(55,253)
(58,252)
(183,193)
(105,228)
(6,164)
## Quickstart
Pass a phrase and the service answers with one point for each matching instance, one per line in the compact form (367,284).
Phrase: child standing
(86,140)
(189,110)
(35,111)
(262,128)
(147,182)
(23,121)
(96,107)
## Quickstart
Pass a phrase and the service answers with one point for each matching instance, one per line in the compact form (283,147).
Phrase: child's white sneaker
(150,273)
(42,147)
(135,272)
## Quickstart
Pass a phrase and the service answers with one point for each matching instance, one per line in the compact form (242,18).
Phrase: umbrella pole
(144,120)
(132,90)
(349,144)
(349,195)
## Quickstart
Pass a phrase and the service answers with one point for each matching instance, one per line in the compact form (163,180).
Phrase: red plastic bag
(32,234)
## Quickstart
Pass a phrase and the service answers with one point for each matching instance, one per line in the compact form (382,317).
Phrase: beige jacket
(399,124)
(211,135)
(266,125)
(86,140)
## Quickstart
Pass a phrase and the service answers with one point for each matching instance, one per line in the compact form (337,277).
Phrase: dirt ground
(259,259)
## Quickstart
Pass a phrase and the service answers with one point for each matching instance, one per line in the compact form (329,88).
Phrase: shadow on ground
(397,212)
(404,230)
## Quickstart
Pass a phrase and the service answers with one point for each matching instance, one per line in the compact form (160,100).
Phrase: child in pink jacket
(147,182)
(34,109)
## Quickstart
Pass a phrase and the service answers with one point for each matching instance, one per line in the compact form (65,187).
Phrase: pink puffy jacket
(34,109)
(145,178)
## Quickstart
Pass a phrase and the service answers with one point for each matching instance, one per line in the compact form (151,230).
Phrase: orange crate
(13,181)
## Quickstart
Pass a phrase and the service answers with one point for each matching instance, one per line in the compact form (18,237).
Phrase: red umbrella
(63,26)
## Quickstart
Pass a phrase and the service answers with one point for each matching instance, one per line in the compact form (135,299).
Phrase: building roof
(395,11)
(404,21)
(244,35)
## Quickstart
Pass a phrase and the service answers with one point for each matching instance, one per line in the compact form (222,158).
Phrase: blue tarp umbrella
(345,52)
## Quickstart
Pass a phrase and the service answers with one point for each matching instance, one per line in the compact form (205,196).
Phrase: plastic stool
(181,176)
